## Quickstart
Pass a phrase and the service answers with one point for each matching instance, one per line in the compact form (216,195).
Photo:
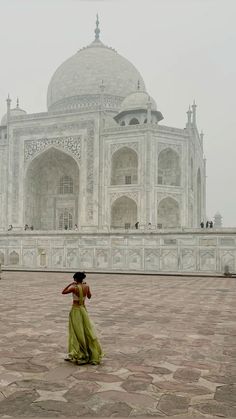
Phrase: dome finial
(97,30)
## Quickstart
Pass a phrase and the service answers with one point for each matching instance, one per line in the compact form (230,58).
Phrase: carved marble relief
(86,258)
(188,260)
(29,257)
(134,259)
(35,147)
(227,258)
(152,260)
(118,146)
(72,258)
(14,257)
(57,257)
(118,259)
(102,258)
(208,260)
(169,260)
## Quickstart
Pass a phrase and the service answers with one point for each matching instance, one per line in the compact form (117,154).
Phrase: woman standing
(84,347)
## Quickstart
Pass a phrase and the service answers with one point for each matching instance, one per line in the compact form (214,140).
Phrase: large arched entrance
(168,214)
(52,191)
(124,167)
(123,213)
(169,171)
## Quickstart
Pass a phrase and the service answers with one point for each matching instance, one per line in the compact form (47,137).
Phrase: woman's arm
(89,295)
(70,288)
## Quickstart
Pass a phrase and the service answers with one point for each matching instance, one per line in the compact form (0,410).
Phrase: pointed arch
(134,121)
(51,186)
(124,167)
(123,213)
(168,213)
(169,170)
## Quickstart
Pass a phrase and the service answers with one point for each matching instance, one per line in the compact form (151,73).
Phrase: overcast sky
(184,49)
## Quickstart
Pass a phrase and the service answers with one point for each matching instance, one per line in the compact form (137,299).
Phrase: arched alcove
(168,214)
(169,171)
(199,197)
(124,167)
(123,213)
(51,191)
(134,121)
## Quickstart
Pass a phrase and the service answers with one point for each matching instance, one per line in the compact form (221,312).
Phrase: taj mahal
(101,181)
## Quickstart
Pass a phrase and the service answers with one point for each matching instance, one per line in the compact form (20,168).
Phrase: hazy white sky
(184,49)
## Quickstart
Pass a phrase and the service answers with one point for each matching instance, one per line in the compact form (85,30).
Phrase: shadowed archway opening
(169,171)
(124,167)
(168,214)
(52,191)
(123,213)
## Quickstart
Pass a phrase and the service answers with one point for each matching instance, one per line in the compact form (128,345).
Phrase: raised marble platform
(178,251)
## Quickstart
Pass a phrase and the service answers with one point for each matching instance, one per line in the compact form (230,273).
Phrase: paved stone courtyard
(169,344)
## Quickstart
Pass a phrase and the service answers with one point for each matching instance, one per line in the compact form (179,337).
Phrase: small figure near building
(136,225)
(10,227)
(211,224)
(202,224)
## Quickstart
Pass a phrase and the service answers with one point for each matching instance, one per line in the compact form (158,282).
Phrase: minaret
(149,110)
(189,115)
(8,108)
(194,107)
(97,30)
(201,136)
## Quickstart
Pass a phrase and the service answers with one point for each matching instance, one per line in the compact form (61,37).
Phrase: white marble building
(99,157)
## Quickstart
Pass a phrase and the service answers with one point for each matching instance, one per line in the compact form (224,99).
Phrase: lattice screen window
(65,220)
(66,185)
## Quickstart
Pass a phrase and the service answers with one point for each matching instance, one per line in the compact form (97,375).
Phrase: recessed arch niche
(168,213)
(169,171)
(123,213)
(51,190)
(124,167)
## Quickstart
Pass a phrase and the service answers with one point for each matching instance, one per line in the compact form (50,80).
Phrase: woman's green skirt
(84,346)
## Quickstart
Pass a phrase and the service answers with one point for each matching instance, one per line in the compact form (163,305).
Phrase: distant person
(10,227)
(202,224)
(211,224)
(26,227)
(31,227)
(207,224)
(66,227)
(136,225)
(149,226)
(84,347)
(75,227)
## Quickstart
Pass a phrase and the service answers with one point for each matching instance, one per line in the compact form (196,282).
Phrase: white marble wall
(170,251)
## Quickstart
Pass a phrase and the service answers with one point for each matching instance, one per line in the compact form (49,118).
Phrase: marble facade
(165,251)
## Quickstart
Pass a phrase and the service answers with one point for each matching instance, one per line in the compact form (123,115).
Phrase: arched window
(169,172)
(14,258)
(66,185)
(168,215)
(65,220)
(134,121)
(124,167)
(123,213)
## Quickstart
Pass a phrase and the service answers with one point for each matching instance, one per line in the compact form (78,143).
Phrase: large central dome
(78,82)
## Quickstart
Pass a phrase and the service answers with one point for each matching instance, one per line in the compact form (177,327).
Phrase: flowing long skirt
(84,346)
